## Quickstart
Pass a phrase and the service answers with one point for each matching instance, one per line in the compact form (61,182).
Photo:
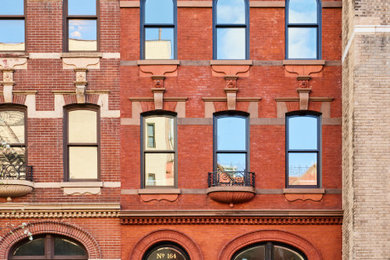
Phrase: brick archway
(269,235)
(169,236)
(53,227)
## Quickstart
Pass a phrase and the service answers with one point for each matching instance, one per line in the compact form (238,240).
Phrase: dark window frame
(318,116)
(317,25)
(144,26)
(269,249)
(80,17)
(230,26)
(230,113)
(165,244)
(49,248)
(17,17)
(67,145)
(158,113)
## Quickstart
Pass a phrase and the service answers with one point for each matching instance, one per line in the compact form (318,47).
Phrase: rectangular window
(82,143)
(303,149)
(81,25)
(230,29)
(158,29)
(12,25)
(159,150)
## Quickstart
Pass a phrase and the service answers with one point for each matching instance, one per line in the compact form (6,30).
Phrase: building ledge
(158,62)
(15,188)
(81,187)
(292,194)
(87,54)
(231,62)
(303,62)
(159,194)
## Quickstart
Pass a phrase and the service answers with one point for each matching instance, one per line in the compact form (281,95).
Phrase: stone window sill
(13,54)
(159,191)
(294,194)
(304,62)
(158,62)
(231,62)
(159,194)
(81,188)
(87,54)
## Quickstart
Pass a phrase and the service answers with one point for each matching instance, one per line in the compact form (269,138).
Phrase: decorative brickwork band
(53,227)
(270,235)
(166,235)
(231,220)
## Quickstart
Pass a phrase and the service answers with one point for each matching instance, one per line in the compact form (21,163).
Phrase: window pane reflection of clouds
(11,7)
(82,35)
(162,166)
(302,11)
(231,43)
(164,133)
(159,43)
(230,12)
(81,7)
(302,43)
(231,161)
(12,35)
(302,168)
(302,132)
(231,133)
(159,11)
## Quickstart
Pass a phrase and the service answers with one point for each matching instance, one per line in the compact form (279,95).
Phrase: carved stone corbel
(231,91)
(81,84)
(158,96)
(303,98)
(8,83)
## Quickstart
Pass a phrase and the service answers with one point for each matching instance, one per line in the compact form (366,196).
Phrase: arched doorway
(165,251)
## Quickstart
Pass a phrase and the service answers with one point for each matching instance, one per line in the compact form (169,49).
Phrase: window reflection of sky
(232,161)
(11,7)
(302,43)
(230,12)
(302,11)
(231,43)
(302,132)
(159,11)
(11,31)
(82,29)
(231,133)
(299,163)
(81,7)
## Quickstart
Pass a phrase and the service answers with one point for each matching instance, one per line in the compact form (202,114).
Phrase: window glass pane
(159,11)
(254,253)
(302,11)
(162,166)
(82,35)
(159,43)
(231,161)
(231,43)
(83,163)
(302,132)
(64,246)
(82,126)
(231,133)
(231,12)
(12,127)
(302,168)
(11,35)
(11,7)
(164,133)
(283,253)
(12,162)
(31,248)
(81,7)
(302,43)
(166,253)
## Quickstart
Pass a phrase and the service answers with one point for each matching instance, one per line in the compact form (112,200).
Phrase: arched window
(303,149)
(48,246)
(269,251)
(166,250)
(158,131)
(81,142)
(158,29)
(13,154)
(230,30)
(303,29)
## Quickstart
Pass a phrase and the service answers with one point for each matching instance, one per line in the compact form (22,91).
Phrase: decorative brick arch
(52,227)
(169,236)
(269,235)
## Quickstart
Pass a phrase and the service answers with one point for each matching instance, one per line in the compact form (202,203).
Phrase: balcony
(15,181)
(231,187)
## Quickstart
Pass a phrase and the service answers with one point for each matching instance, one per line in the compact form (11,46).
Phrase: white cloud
(302,43)
(75,34)
(231,11)
(231,44)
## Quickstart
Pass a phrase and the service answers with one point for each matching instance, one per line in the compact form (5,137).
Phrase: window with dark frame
(13,154)
(82,143)
(158,29)
(81,25)
(303,29)
(48,246)
(12,25)
(159,167)
(230,29)
(303,149)
(231,142)
(166,250)
(269,251)
(151,135)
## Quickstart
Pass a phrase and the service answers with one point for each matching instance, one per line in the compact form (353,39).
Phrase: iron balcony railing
(231,178)
(13,172)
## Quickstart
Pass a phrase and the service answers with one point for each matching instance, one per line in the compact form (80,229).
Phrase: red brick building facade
(172,129)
